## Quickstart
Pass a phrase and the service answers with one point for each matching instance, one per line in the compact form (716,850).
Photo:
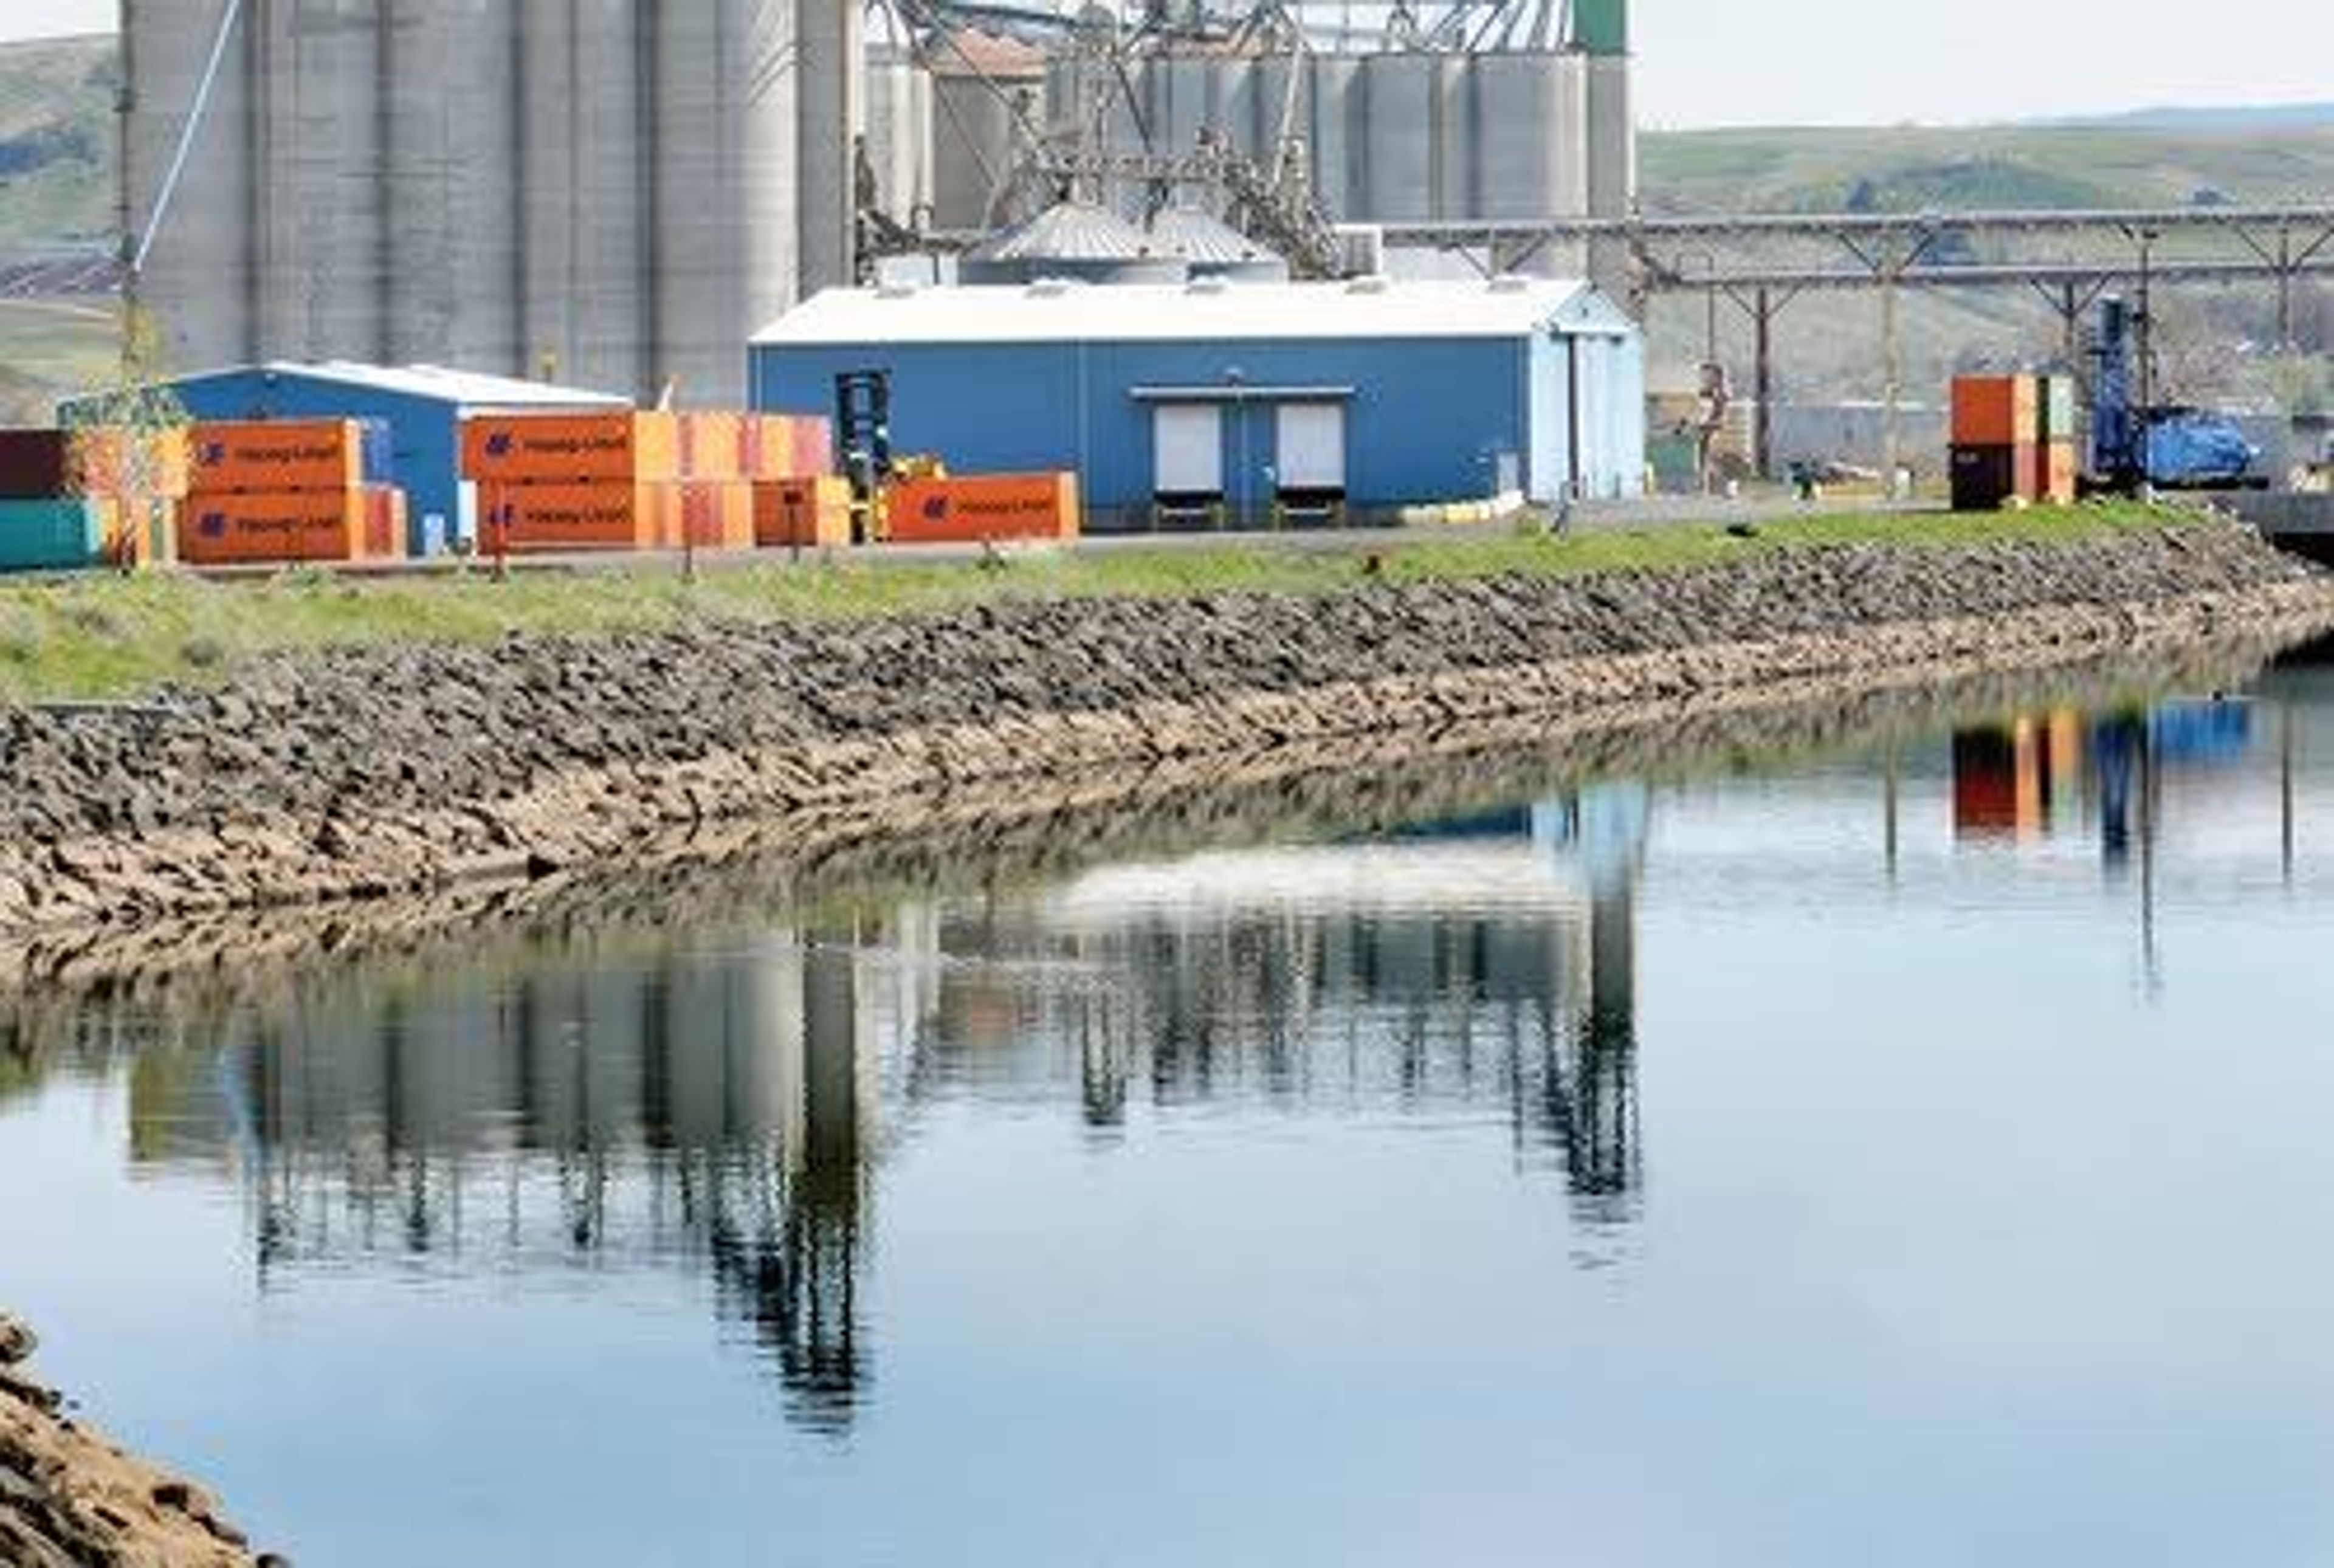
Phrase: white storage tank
(900,137)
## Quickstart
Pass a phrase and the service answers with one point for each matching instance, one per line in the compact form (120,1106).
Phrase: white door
(1312,448)
(1189,442)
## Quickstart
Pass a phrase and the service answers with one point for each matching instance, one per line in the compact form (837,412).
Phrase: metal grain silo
(1184,92)
(1235,90)
(201,280)
(1080,241)
(1612,168)
(1521,131)
(1398,137)
(899,135)
(1454,137)
(772,260)
(1337,138)
(1531,130)
(972,149)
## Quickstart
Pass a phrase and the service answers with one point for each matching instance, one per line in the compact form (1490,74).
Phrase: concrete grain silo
(615,192)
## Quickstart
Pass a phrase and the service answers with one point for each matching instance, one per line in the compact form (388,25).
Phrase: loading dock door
(1312,448)
(1189,438)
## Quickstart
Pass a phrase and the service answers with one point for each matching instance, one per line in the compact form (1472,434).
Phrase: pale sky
(1879,62)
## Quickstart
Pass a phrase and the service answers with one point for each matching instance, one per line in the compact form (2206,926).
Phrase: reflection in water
(718,1106)
(591,1108)
(723,1106)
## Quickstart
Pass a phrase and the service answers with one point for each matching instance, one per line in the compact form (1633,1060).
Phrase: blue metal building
(423,405)
(1227,399)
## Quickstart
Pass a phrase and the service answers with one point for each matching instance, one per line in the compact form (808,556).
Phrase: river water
(1917,1154)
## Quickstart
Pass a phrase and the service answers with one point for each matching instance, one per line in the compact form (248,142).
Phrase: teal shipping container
(51,535)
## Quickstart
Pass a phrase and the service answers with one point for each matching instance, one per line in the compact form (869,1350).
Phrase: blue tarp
(2197,449)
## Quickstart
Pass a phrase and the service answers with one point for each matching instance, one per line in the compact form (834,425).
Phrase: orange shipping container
(965,510)
(386,522)
(622,447)
(806,514)
(712,445)
(1996,411)
(787,447)
(241,527)
(548,519)
(272,457)
(769,443)
(813,451)
(708,516)
(2060,471)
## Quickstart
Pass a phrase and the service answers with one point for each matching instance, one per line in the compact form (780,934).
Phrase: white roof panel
(468,389)
(1168,312)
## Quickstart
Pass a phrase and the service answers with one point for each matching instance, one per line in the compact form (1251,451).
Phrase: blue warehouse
(1241,401)
(423,405)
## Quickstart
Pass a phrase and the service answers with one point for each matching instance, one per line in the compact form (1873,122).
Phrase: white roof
(1050,312)
(468,389)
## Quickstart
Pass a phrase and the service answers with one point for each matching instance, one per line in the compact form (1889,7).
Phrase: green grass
(108,637)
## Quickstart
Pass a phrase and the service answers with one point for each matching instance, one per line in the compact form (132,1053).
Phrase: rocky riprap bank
(365,773)
(69,1499)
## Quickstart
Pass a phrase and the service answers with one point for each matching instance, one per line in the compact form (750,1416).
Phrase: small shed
(1238,402)
(423,406)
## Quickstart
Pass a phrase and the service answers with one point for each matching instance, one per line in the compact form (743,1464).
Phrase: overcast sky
(1880,62)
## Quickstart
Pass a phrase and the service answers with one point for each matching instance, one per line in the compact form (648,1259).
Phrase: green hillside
(57,179)
(1910,169)
(57,141)
(1827,346)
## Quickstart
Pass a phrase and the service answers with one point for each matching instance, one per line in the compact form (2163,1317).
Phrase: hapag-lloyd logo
(219,454)
(211,525)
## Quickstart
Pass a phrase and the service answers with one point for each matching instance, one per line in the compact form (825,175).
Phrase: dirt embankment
(69,1499)
(370,773)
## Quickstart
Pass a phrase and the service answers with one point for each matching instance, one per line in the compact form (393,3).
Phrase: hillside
(1827,346)
(57,174)
(1908,169)
(57,140)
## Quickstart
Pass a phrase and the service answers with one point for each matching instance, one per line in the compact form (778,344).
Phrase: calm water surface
(1921,1156)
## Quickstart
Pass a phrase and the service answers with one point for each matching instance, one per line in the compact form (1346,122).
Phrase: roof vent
(1509,283)
(1049,288)
(1372,283)
(1206,285)
(898,288)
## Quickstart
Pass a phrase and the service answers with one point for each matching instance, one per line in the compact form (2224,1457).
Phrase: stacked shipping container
(280,491)
(2014,439)
(798,500)
(72,498)
(44,525)
(553,483)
